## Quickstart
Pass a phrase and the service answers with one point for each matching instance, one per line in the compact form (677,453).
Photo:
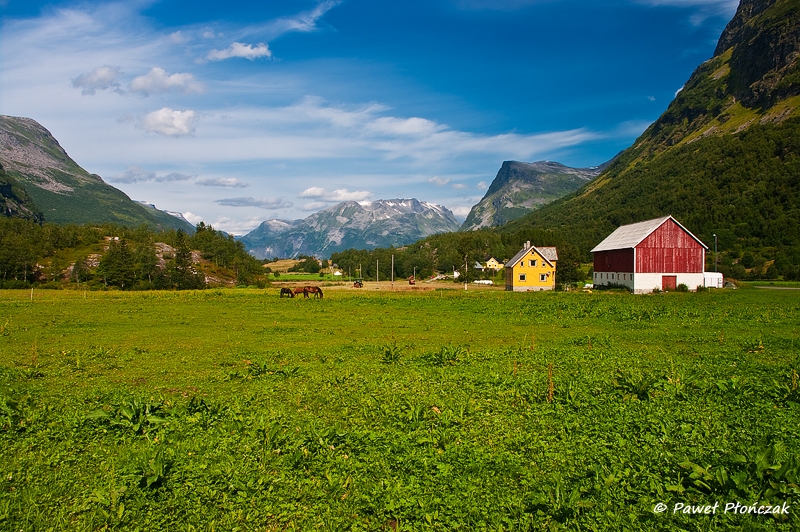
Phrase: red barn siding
(669,249)
(616,260)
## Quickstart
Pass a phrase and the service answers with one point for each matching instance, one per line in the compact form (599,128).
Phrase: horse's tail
(320,292)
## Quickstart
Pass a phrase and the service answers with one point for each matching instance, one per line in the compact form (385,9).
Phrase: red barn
(655,254)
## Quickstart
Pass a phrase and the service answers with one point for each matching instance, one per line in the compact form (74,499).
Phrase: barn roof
(629,236)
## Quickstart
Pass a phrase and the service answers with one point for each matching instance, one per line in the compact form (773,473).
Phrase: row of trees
(456,251)
(119,256)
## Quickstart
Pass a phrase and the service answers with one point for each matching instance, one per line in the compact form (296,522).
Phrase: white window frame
(522,277)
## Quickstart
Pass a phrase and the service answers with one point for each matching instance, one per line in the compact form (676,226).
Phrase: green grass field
(438,410)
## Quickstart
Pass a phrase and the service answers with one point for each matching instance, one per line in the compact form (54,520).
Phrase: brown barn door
(669,282)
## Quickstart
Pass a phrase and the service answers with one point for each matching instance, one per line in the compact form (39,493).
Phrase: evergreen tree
(180,272)
(117,266)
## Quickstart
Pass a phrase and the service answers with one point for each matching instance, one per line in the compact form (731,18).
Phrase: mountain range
(365,225)
(40,181)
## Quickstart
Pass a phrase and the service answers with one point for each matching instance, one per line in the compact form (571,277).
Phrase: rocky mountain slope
(381,223)
(519,188)
(724,158)
(63,191)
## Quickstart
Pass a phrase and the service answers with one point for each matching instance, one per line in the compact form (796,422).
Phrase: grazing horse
(301,290)
(316,290)
(287,292)
(305,290)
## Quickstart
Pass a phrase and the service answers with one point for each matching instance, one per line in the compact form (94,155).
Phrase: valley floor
(407,410)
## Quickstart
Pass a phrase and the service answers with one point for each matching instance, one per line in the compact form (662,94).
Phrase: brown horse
(287,292)
(301,290)
(305,290)
(316,290)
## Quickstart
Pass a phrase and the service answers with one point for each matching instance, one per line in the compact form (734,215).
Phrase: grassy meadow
(375,410)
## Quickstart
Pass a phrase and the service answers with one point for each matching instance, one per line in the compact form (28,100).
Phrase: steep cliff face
(723,158)
(764,41)
(381,223)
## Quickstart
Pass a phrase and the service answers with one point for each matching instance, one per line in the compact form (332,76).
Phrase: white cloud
(157,80)
(101,78)
(263,203)
(227,182)
(483,185)
(136,174)
(174,176)
(459,186)
(303,22)
(336,196)
(178,37)
(314,206)
(440,181)
(389,125)
(194,219)
(237,49)
(703,8)
(168,122)
(460,211)
(237,227)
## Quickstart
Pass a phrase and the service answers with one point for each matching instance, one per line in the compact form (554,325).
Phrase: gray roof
(548,253)
(629,236)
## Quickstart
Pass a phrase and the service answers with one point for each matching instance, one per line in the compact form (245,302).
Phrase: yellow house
(532,269)
(492,264)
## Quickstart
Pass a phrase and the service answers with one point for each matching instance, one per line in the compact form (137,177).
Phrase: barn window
(543,277)
(522,277)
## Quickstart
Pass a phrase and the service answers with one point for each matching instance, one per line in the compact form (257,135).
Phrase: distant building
(532,269)
(654,254)
(493,264)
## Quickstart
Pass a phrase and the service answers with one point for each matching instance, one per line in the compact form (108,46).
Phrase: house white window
(522,277)
(543,277)
(532,262)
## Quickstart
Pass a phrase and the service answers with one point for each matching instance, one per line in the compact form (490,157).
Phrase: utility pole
(377,271)
(392,271)
(716,264)
(465,272)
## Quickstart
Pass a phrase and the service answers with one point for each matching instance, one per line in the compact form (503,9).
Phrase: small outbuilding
(532,269)
(657,254)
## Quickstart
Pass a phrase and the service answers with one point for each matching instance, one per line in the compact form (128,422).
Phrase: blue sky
(239,112)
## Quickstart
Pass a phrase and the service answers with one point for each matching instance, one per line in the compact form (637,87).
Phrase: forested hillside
(723,159)
(98,257)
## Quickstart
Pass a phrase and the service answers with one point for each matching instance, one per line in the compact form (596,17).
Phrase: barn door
(669,282)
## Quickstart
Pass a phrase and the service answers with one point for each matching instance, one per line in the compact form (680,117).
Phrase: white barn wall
(644,283)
